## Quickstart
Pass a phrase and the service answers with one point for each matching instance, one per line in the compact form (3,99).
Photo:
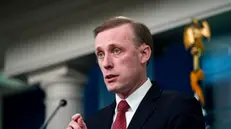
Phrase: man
(123,48)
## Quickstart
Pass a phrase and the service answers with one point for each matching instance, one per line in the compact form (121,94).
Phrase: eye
(100,54)
(116,51)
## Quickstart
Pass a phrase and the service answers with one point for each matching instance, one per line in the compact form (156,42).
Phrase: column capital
(56,74)
(60,82)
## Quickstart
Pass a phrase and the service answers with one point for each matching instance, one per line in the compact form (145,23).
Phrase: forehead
(120,34)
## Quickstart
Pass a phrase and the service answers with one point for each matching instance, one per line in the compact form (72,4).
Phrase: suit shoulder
(171,95)
(182,108)
(181,102)
(179,99)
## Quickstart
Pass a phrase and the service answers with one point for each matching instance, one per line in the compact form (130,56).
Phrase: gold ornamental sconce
(193,35)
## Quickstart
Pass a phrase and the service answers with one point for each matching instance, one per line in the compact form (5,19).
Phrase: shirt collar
(135,98)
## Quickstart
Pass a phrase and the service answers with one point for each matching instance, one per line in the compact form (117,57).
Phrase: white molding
(59,74)
(72,36)
(188,19)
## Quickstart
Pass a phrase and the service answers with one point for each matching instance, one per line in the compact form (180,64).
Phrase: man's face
(119,59)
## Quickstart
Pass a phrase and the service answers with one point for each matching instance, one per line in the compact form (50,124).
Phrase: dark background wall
(24,110)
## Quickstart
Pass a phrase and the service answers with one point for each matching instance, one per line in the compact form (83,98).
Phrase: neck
(139,83)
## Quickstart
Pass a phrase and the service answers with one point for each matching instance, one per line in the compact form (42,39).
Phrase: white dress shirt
(134,100)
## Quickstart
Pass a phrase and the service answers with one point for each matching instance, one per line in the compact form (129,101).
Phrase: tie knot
(122,106)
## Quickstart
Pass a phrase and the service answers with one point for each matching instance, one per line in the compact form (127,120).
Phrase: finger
(82,123)
(69,127)
(74,125)
(76,117)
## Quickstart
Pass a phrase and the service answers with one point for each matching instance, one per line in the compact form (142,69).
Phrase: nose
(107,62)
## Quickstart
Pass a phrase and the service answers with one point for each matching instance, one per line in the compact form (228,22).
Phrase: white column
(61,83)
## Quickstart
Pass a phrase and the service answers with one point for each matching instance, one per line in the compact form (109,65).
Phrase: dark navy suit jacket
(159,109)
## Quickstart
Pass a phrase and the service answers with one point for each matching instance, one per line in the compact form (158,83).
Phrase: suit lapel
(107,117)
(146,108)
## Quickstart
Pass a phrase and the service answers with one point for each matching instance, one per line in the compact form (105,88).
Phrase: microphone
(62,103)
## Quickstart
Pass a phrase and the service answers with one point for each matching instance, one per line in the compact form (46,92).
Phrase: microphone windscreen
(63,102)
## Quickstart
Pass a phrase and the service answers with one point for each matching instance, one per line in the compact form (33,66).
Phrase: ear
(145,51)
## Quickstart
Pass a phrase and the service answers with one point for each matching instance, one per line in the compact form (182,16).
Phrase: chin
(112,87)
(112,90)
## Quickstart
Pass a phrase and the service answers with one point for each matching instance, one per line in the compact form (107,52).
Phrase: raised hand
(77,122)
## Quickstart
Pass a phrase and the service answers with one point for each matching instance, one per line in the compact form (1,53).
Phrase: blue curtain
(173,67)
(91,91)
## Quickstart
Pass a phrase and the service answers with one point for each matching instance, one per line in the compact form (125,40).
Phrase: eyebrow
(97,50)
(109,46)
(114,45)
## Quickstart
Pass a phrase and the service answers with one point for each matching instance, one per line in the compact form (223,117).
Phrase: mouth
(111,77)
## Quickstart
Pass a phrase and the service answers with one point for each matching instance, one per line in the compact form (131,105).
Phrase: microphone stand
(62,103)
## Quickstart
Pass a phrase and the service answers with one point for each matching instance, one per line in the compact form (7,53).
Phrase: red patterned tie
(120,122)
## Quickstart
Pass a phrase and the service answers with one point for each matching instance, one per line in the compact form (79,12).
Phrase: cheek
(129,63)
